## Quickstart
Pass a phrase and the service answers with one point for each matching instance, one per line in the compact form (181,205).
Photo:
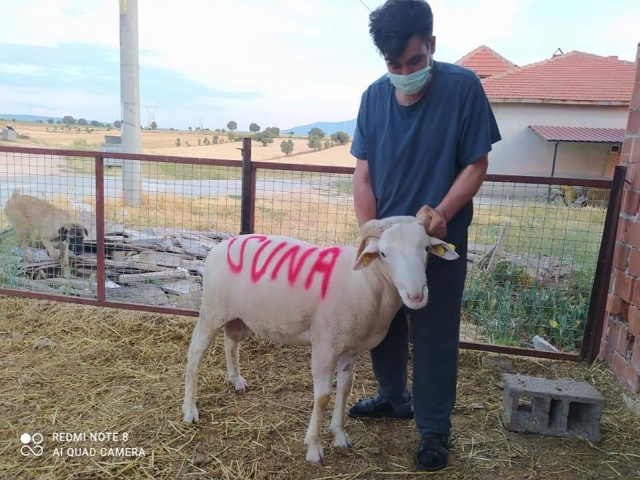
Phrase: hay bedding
(67,368)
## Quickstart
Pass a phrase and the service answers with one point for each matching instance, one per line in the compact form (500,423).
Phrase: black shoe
(377,407)
(433,452)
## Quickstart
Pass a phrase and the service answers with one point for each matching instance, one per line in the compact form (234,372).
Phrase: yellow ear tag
(366,260)
(440,250)
(453,247)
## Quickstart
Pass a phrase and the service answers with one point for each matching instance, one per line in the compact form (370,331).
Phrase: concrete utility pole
(130,98)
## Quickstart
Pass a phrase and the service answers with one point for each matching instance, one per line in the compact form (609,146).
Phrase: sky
(279,63)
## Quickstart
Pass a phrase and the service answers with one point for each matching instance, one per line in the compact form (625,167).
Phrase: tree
(273,131)
(254,128)
(153,126)
(232,125)
(68,120)
(190,128)
(50,121)
(315,143)
(316,132)
(95,123)
(340,138)
(117,124)
(286,146)
(263,137)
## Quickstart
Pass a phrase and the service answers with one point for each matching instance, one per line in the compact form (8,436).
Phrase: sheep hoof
(241,385)
(316,463)
(190,415)
(342,450)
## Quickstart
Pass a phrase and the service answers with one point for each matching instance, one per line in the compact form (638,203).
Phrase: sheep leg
(235,332)
(51,249)
(344,383)
(25,248)
(201,339)
(322,368)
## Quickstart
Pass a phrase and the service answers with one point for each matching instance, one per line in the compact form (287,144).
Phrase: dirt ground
(68,369)
(162,142)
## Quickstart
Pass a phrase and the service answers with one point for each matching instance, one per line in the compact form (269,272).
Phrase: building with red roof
(564,116)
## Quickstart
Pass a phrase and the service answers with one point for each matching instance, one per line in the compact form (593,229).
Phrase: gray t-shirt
(414,153)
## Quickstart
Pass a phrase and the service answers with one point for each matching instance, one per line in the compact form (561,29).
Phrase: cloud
(281,62)
(20,69)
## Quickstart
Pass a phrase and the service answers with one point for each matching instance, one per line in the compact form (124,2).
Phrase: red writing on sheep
(294,256)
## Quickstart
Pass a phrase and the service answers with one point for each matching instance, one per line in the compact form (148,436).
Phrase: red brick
(635,295)
(630,151)
(623,286)
(616,336)
(631,232)
(635,357)
(633,123)
(633,175)
(634,320)
(624,371)
(605,351)
(630,202)
(634,262)
(614,304)
(621,256)
(635,98)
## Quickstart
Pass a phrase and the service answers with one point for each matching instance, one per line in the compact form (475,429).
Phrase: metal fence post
(248,199)
(600,289)
(101,275)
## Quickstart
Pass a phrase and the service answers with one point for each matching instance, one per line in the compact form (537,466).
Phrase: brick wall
(621,338)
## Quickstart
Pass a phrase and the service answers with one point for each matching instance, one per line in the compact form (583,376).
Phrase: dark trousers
(435,330)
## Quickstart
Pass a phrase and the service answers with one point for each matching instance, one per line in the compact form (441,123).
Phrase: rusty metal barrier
(540,248)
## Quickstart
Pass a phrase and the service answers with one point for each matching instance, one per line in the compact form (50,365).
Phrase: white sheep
(341,300)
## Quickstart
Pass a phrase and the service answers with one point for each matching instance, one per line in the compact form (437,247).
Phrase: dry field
(163,143)
(73,369)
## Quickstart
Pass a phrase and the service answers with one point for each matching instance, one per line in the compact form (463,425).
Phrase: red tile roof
(485,62)
(573,77)
(580,134)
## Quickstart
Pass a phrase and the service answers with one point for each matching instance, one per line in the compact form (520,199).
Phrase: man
(422,140)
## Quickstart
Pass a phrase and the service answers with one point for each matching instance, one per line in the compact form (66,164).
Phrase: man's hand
(438,226)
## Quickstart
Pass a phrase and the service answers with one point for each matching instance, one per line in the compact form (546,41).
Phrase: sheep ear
(442,249)
(367,251)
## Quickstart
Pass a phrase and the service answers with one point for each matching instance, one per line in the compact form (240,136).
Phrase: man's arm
(464,187)
(363,197)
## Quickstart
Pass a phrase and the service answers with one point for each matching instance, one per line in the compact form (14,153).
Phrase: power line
(365,5)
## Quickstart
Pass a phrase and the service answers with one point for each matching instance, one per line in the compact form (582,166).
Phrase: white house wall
(524,152)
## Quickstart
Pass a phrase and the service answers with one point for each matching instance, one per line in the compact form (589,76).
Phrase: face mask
(412,83)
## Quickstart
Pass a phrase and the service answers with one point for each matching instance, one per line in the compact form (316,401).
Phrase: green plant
(512,308)
(9,261)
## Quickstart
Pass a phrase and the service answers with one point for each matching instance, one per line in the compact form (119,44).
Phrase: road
(79,187)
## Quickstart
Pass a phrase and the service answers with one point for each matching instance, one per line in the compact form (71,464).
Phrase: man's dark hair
(393,24)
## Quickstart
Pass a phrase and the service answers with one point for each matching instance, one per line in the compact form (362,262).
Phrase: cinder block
(552,407)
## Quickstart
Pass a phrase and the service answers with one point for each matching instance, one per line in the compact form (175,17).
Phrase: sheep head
(402,246)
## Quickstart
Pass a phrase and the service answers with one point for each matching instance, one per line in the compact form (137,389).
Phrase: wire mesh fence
(533,259)
(534,244)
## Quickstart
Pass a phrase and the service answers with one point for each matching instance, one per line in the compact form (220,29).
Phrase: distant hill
(8,117)
(348,126)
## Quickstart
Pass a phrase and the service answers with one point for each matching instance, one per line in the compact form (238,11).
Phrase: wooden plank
(160,258)
(192,247)
(151,276)
(501,244)
(181,287)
